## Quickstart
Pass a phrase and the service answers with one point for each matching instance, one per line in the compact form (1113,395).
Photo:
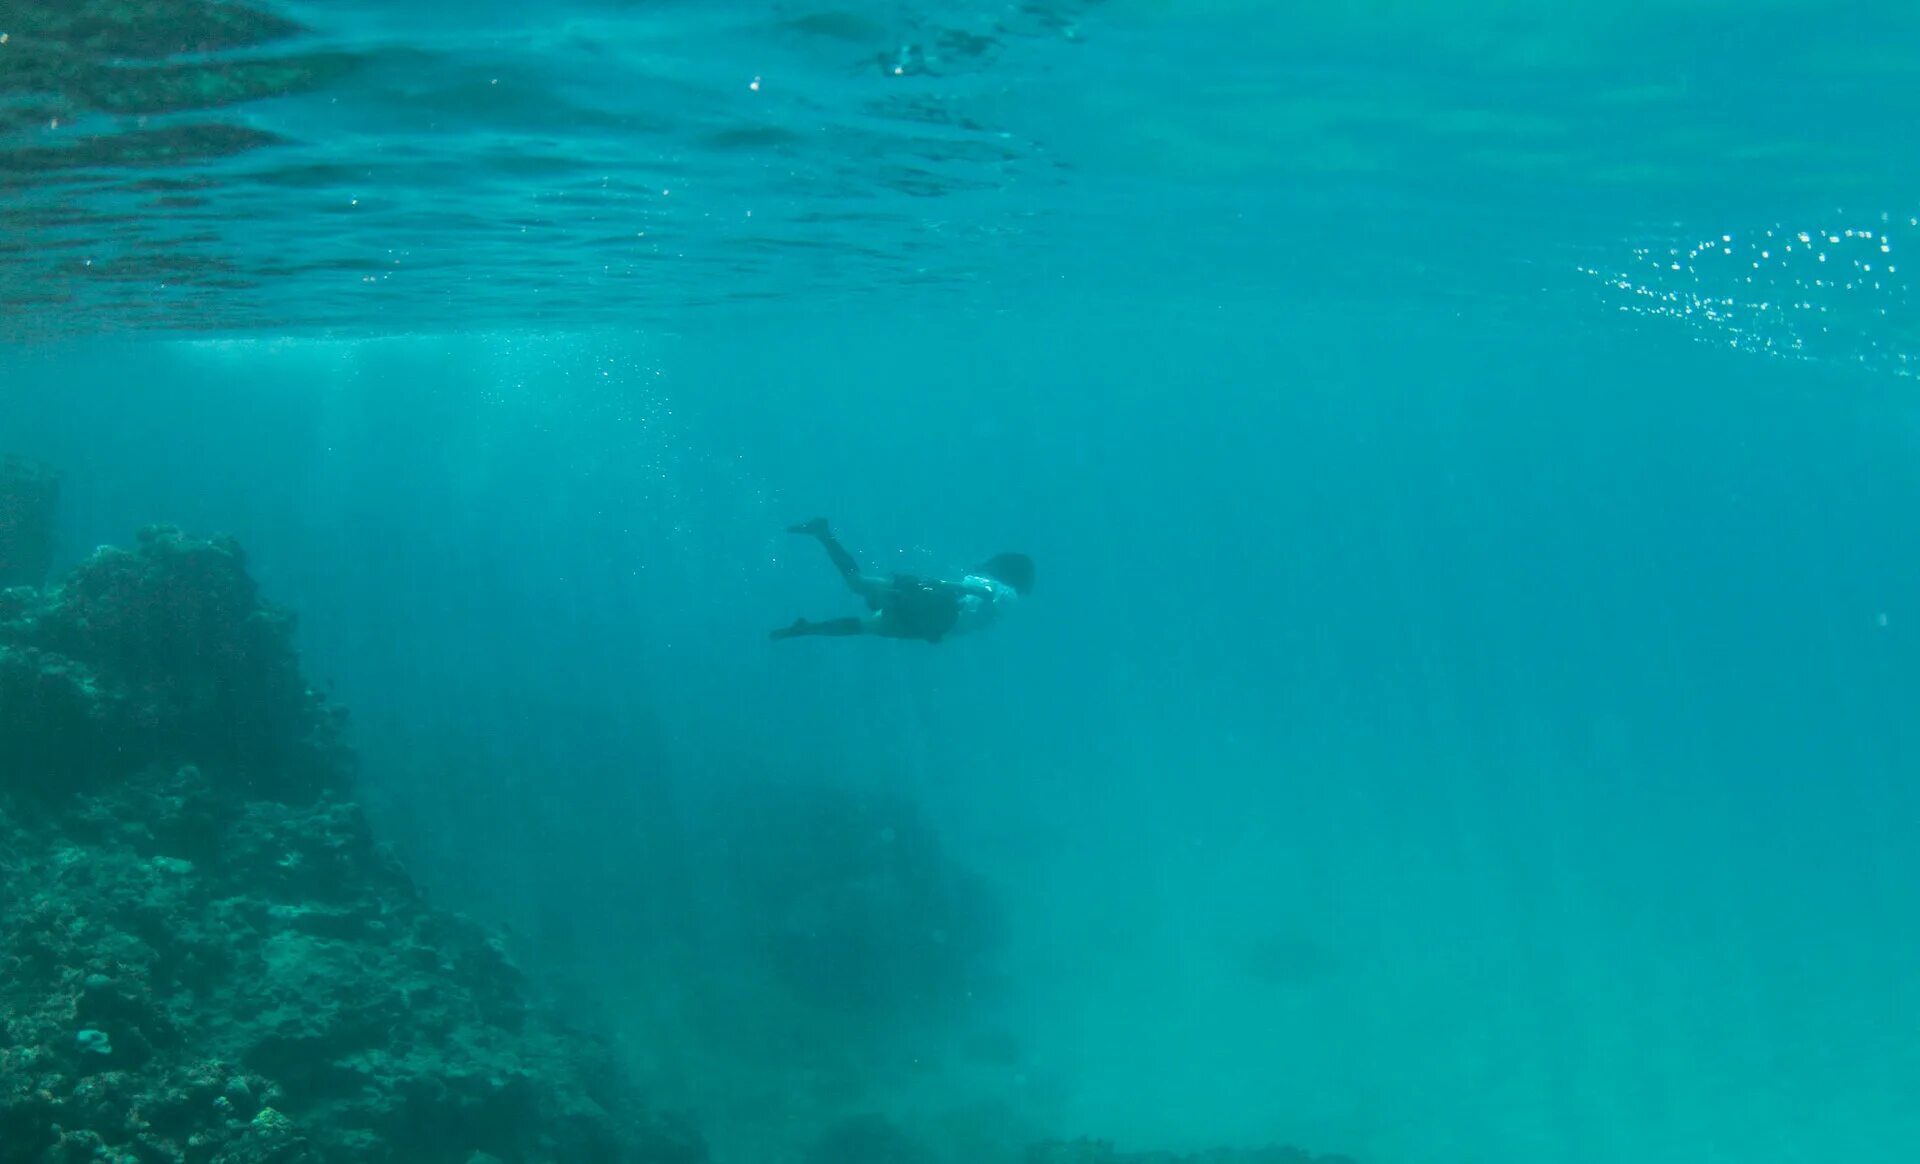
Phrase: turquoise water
(1466,712)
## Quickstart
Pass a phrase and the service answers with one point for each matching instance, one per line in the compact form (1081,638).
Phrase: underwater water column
(29,494)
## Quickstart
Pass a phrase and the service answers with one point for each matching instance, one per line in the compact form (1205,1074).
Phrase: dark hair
(1016,570)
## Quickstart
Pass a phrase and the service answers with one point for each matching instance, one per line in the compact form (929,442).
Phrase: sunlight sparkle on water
(1775,290)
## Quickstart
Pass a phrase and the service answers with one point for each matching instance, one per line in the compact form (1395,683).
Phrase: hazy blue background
(1484,746)
(1457,721)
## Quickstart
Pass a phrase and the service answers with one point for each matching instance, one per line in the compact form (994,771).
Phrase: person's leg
(866,587)
(831,626)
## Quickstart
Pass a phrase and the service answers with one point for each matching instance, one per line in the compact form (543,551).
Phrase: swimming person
(906,607)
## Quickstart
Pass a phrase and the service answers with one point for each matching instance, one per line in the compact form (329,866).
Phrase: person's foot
(798,627)
(817,527)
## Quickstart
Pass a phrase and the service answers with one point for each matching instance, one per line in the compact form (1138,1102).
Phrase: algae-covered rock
(205,958)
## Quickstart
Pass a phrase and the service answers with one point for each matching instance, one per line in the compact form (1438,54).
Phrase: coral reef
(28,495)
(160,654)
(204,956)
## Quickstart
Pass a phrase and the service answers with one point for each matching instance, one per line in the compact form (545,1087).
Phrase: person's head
(1016,570)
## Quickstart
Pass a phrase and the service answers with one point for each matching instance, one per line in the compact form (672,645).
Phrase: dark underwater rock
(1101,1152)
(850,901)
(867,1139)
(204,956)
(29,493)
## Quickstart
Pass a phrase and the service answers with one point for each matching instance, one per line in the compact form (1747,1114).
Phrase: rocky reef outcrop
(29,493)
(850,904)
(874,1139)
(161,654)
(205,958)
(1101,1152)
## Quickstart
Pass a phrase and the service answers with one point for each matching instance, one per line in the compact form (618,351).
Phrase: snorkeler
(906,607)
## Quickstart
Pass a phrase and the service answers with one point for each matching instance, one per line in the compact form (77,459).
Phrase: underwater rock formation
(874,1139)
(1101,1152)
(160,654)
(867,1139)
(852,904)
(28,494)
(204,956)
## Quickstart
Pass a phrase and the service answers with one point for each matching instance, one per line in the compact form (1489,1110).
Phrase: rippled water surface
(186,164)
